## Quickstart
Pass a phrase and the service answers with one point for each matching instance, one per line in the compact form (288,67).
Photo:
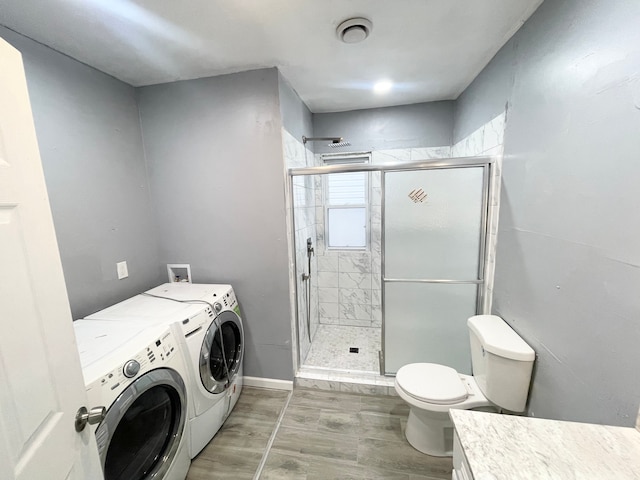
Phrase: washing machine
(206,350)
(138,374)
(207,320)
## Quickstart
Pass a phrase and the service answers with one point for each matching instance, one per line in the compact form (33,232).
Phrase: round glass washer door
(221,352)
(140,435)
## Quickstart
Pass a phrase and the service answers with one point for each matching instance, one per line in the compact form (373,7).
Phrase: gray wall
(91,148)
(296,117)
(215,164)
(405,126)
(567,268)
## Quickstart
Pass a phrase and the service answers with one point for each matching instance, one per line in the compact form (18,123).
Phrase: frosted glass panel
(347,227)
(427,322)
(432,223)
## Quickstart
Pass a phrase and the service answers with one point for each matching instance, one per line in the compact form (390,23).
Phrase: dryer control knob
(131,368)
(217,307)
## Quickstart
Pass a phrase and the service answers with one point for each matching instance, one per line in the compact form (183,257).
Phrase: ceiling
(430,49)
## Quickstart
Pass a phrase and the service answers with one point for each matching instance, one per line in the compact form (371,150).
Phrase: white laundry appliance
(212,376)
(206,318)
(138,374)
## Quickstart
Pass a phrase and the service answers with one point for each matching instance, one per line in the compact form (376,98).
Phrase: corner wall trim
(273,383)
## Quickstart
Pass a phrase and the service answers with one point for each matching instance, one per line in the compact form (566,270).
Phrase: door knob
(96,415)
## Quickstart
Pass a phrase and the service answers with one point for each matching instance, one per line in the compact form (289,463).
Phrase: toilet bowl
(431,390)
(502,364)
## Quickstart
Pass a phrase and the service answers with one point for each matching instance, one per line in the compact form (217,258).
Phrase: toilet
(502,363)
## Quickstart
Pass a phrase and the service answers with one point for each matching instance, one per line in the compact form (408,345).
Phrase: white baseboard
(272,383)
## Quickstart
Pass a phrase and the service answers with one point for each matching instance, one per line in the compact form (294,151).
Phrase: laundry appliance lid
(432,383)
(98,339)
(145,306)
(191,291)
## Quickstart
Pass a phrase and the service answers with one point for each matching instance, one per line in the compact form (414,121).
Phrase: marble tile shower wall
(350,282)
(487,140)
(304,209)
(347,287)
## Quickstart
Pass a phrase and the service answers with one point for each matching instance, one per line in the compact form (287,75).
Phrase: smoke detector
(354,30)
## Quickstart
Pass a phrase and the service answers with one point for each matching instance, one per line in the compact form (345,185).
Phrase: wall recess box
(179,272)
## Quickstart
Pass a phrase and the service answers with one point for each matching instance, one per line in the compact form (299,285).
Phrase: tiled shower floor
(331,344)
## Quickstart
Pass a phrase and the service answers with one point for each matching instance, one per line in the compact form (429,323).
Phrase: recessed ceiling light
(383,86)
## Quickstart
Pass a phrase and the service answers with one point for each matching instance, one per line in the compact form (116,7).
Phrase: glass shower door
(433,227)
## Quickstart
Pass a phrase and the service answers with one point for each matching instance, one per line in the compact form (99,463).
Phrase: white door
(41,385)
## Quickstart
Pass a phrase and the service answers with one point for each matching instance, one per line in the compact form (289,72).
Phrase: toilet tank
(502,362)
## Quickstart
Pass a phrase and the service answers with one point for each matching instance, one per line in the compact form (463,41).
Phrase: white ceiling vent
(354,30)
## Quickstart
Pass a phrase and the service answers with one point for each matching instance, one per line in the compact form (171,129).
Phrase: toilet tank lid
(499,338)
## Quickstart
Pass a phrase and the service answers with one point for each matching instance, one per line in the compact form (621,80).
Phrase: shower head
(335,142)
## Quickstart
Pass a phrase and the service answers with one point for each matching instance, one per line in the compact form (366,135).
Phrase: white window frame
(339,159)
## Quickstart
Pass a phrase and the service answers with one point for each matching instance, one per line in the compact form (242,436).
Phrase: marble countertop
(507,447)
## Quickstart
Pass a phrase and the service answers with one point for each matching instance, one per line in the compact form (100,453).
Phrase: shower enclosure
(399,261)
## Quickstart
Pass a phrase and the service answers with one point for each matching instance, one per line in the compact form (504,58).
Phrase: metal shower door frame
(487,162)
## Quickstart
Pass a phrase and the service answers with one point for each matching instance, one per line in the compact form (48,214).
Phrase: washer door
(140,435)
(221,352)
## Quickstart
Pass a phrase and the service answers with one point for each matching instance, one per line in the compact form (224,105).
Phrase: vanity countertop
(507,447)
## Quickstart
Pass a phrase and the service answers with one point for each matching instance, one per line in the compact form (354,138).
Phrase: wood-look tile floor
(322,436)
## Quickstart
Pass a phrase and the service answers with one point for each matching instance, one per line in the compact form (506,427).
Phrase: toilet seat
(432,383)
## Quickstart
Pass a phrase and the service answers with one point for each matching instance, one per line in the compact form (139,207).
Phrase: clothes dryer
(138,374)
(207,351)
(212,344)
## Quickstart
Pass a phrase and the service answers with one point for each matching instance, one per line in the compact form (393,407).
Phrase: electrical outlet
(123,272)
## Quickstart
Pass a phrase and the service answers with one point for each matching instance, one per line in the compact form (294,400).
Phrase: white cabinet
(461,470)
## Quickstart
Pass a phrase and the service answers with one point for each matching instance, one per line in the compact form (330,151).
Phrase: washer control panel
(131,368)
(229,300)
(196,322)
(153,356)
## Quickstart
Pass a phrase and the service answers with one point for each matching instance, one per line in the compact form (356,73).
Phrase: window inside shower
(346,207)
